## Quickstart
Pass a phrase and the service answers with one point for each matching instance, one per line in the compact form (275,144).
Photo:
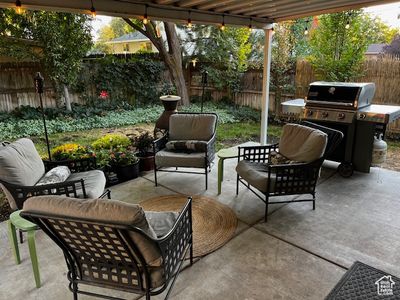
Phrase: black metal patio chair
(290,167)
(109,244)
(189,143)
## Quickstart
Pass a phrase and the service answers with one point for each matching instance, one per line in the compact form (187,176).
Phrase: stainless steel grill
(346,107)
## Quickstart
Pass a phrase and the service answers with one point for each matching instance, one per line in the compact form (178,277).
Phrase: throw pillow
(55,175)
(161,222)
(276,158)
(192,146)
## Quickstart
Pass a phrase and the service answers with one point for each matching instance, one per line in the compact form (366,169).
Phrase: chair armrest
(160,143)
(175,242)
(294,178)
(75,165)
(210,154)
(21,193)
(256,153)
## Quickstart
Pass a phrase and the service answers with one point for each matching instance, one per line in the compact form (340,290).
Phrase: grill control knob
(309,113)
(362,116)
(325,114)
(341,116)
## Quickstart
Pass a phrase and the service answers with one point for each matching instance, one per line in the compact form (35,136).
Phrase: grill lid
(340,94)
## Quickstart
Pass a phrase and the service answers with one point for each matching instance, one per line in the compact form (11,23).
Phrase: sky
(389,13)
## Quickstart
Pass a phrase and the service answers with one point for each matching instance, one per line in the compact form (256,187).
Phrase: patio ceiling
(260,13)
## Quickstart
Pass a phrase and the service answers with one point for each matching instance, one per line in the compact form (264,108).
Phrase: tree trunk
(171,55)
(67,98)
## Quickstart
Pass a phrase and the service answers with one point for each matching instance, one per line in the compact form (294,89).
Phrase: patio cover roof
(235,12)
(258,13)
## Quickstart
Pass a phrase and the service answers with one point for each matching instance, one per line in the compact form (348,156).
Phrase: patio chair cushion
(301,143)
(161,221)
(94,180)
(188,146)
(55,175)
(20,163)
(102,211)
(256,174)
(199,127)
(168,158)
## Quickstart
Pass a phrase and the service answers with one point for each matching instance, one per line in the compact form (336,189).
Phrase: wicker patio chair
(290,167)
(111,244)
(21,168)
(189,143)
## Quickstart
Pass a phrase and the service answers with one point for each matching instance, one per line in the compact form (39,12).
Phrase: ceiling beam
(165,2)
(241,4)
(130,9)
(313,8)
(191,3)
(257,8)
(214,4)
(278,17)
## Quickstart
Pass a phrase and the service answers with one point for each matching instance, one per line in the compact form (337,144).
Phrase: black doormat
(364,282)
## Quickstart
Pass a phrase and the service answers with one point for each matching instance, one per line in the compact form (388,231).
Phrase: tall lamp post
(39,81)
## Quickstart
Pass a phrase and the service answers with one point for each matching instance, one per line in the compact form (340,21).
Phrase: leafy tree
(394,47)
(63,38)
(337,50)
(283,61)
(225,53)
(169,49)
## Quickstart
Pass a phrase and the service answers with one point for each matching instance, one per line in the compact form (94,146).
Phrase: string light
(92,10)
(189,20)
(347,25)
(223,23)
(145,17)
(250,25)
(18,7)
(306,30)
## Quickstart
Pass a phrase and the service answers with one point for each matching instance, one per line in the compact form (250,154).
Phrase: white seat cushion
(95,181)
(168,158)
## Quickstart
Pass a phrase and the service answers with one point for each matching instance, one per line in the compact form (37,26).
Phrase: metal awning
(259,13)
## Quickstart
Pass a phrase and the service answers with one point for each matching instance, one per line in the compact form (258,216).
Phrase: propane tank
(379,151)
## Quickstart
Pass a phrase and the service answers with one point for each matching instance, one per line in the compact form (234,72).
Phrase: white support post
(265,85)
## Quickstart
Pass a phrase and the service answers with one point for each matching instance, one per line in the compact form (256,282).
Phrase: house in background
(130,43)
(374,51)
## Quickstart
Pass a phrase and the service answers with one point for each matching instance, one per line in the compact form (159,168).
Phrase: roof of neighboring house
(375,49)
(129,37)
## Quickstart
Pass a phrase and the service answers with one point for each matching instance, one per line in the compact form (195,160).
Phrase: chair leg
(12,235)
(266,208)
(33,255)
(237,184)
(313,202)
(206,178)
(191,253)
(147,295)
(155,175)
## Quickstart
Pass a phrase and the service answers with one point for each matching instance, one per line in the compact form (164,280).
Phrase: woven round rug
(214,223)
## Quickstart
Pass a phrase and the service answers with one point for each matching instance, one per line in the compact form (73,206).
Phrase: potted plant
(126,164)
(70,152)
(144,148)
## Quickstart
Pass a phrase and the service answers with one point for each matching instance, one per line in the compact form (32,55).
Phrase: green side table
(222,155)
(18,222)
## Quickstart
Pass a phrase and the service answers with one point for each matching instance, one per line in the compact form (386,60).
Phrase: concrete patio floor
(298,254)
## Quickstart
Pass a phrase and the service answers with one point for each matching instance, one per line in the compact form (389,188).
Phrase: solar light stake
(39,81)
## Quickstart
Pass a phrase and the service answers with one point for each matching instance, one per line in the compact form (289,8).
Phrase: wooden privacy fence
(17,87)
(384,72)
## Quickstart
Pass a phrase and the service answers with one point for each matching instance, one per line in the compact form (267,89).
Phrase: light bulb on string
(223,23)
(250,25)
(18,7)
(189,21)
(92,10)
(145,17)
(306,31)
(347,25)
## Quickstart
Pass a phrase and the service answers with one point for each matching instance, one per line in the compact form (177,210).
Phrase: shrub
(143,143)
(70,152)
(112,141)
